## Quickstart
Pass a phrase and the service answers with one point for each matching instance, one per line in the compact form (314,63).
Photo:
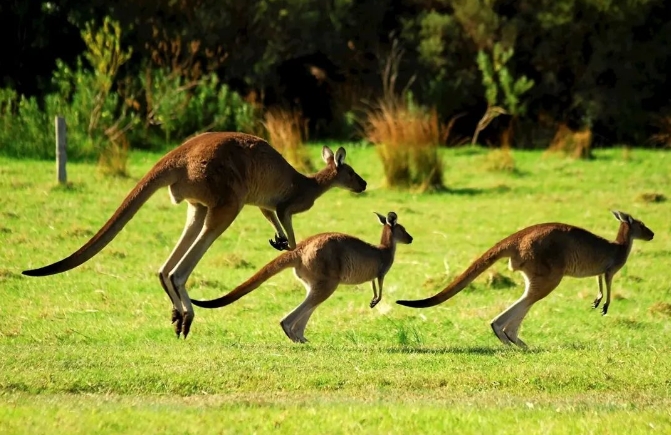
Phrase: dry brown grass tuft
(407,140)
(287,132)
(500,160)
(663,308)
(113,159)
(577,144)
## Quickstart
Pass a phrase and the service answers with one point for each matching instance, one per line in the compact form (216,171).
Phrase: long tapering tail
(155,179)
(498,251)
(283,261)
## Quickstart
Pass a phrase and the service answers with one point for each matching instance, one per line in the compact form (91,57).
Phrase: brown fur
(544,254)
(321,263)
(217,174)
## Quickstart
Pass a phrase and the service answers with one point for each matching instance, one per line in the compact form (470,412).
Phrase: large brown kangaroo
(217,174)
(321,263)
(544,254)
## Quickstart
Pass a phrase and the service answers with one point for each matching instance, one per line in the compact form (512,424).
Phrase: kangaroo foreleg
(599,295)
(609,280)
(285,218)
(377,295)
(281,243)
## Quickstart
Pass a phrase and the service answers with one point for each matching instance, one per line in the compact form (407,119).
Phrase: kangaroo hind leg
(506,325)
(195,218)
(295,322)
(217,220)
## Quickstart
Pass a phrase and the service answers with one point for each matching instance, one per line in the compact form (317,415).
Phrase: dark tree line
(597,64)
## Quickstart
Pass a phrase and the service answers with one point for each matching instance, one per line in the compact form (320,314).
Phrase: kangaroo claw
(280,243)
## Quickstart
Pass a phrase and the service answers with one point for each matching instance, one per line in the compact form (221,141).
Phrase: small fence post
(61,155)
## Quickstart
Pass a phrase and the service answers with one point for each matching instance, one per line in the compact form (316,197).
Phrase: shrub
(182,107)
(83,96)
(24,128)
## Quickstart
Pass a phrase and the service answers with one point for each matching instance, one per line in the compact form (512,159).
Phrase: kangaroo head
(398,232)
(343,174)
(637,229)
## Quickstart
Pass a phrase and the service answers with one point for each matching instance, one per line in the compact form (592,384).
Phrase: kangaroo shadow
(472,191)
(459,350)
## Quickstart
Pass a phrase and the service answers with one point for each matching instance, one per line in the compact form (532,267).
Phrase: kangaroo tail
(155,179)
(500,250)
(283,261)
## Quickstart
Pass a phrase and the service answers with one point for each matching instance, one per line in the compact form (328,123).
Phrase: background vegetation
(147,73)
(92,350)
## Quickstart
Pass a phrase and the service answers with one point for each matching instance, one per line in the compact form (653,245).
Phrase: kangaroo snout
(362,185)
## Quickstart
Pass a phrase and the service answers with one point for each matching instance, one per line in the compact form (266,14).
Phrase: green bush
(28,129)
(102,123)
(181,109)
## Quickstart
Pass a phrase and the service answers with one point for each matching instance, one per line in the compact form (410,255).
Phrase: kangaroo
(321,263)
(544,254)
(217,174)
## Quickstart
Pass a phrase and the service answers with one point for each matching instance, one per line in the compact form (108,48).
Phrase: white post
(61,156)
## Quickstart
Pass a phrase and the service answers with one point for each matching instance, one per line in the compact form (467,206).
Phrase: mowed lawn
(92,350)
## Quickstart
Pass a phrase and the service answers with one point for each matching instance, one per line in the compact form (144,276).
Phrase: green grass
(92,350)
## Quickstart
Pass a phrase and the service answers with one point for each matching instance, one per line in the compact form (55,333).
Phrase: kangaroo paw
(596,302)
(604,310)
(280,243)
(374,302)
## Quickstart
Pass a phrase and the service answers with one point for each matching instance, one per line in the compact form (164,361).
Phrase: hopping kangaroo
(321,263)
(217,174)
(544,254)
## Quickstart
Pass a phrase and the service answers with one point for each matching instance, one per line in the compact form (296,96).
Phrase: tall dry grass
(577,144)
(114,154)
(407,140)
(287,133)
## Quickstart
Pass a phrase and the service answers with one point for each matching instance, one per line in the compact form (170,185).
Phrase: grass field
(92,350)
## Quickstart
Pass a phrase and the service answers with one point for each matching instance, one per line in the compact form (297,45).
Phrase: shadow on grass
(419,350)
(470,191)
(475,350)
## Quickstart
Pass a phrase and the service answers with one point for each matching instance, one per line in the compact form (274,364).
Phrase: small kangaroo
(321,263)
(217,174)
(544,254)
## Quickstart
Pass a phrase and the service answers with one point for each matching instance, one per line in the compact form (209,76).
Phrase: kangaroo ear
(392,218)
(623,217)
(381,218)
(340,156)
(327,154)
